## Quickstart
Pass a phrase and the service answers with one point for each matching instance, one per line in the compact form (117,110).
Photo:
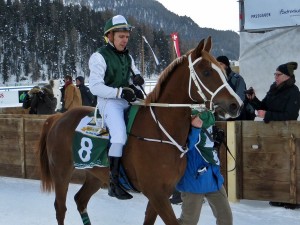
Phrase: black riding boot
(115,190)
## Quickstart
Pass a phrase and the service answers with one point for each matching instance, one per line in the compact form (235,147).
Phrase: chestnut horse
(154,163)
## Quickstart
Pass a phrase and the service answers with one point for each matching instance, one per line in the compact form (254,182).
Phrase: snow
(22,202)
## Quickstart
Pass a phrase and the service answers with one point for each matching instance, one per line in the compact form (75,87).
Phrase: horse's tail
(42,155)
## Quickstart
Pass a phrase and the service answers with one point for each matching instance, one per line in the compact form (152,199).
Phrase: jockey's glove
(138,80)
(138,93)
(128,94)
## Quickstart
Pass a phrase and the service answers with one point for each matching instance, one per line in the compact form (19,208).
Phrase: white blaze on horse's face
(230,90)
(199,84)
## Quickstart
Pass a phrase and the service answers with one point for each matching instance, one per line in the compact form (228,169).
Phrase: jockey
(110,68)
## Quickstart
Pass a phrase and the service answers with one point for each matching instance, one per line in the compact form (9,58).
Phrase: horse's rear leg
(61,190)
(82,197)
(61,179)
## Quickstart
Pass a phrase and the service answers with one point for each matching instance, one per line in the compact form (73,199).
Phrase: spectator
(44,101)
(282,102)
(28,98)
(237,83)
(86,96)
(71,95)
(202,177)
(110,69)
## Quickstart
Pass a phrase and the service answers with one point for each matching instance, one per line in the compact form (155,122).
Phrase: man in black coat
(87,97)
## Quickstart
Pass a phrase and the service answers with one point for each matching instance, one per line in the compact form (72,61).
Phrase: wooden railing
(266,157)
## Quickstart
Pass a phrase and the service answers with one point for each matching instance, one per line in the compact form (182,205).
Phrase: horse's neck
(176,119)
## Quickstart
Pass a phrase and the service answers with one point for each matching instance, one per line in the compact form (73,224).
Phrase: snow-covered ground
(22,203)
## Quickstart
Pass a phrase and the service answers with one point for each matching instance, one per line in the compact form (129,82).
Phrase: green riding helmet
(117,23)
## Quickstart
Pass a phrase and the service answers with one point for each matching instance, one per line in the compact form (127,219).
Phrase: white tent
(269,37)
(262,53)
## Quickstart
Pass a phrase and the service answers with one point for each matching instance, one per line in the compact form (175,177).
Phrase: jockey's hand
(138,80)
(128,94)
(139,94)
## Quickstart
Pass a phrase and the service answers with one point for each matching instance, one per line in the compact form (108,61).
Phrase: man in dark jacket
(237,83)
(87,97)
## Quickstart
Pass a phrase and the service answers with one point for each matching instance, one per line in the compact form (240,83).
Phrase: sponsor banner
(268,14)
(11,98)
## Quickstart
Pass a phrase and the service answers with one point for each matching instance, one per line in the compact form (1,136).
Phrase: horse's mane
(155,93)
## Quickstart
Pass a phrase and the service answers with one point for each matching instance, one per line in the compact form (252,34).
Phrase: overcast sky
(216,14)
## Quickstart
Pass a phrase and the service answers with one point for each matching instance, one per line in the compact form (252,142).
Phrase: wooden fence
(266,157)
(19,134)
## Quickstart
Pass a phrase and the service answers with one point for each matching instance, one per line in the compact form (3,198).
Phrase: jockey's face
(120,39)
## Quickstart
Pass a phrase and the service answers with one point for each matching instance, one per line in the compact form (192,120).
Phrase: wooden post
(22,148)
(231,176)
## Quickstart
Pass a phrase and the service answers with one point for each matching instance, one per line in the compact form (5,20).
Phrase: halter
(198,83)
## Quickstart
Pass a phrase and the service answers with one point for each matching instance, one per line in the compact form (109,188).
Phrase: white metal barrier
(12,96)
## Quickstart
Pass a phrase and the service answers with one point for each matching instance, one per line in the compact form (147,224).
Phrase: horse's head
(208,82)
(197,78)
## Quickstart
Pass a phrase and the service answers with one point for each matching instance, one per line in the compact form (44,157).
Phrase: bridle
(198,83)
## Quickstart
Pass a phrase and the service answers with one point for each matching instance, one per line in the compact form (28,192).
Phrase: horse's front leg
(150,215)
(160,205)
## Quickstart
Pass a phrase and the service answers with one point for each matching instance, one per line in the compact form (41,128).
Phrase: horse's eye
(206,73)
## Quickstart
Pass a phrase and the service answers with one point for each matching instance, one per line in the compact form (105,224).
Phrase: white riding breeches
(112,112)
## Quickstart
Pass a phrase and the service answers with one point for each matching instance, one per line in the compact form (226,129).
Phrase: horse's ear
(199,48)
(208,44)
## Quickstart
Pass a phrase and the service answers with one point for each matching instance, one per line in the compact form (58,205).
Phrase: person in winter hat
(70,94)
(28,98)
(112,71)
(44,101)
(87,97)
(288,68)
(238,84)
(282,102)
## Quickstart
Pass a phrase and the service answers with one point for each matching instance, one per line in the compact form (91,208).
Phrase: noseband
(198,83)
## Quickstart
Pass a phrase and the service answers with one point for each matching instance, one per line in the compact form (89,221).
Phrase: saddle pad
(90,143)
